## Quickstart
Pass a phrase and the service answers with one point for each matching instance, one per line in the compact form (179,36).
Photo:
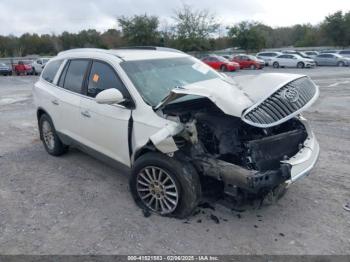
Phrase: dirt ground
(75,204)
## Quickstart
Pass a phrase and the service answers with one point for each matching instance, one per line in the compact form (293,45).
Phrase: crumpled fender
(163,140)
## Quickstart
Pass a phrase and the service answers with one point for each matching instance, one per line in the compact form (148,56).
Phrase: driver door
(104,127)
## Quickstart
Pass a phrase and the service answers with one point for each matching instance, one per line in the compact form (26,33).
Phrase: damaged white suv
(174,121)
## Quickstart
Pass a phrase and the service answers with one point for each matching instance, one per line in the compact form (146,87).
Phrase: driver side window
(102,77)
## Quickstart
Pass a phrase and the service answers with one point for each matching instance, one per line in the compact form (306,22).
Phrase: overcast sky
(56,16)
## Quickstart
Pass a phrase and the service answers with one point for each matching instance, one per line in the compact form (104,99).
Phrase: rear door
(69,94)
(104,128)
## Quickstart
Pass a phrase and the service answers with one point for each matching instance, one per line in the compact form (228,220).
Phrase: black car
(5,69)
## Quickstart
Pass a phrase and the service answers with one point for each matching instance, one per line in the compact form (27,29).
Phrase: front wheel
(223,68)
(276,65)
(253,67)
(48,135)
(164,185)
(300,65)
(340,64)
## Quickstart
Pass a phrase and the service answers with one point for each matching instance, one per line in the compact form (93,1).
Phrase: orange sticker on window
(95,78)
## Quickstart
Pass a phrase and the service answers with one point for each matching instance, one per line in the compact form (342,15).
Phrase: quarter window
(102,77)
(50,70)
(75,75)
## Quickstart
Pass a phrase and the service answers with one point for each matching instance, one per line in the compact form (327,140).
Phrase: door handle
(86,113)
(55,102)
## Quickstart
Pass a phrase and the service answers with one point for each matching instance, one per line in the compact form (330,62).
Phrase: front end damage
(270,143)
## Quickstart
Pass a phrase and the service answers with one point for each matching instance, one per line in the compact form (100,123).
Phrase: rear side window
(345,52)
(50,70)
(73,79)
(102,77)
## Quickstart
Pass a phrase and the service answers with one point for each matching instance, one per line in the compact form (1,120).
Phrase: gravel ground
(75,204)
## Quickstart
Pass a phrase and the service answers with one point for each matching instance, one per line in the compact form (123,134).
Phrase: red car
(248,61)
(22,68)
(220,63)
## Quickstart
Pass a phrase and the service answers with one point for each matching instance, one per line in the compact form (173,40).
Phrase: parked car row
(24,67)
(305,59)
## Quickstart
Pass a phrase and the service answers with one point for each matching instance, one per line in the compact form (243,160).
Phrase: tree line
(191,30)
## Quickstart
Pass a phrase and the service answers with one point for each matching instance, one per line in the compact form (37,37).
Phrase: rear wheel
(341,64)
(300,65)
(51,141)
(276,65)
(164,185)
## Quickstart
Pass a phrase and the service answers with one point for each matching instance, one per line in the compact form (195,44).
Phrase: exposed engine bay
(228,149)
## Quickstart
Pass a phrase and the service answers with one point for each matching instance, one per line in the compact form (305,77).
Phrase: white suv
(176,122)
(39,64)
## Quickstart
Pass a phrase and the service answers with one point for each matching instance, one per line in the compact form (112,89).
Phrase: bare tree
(193,28)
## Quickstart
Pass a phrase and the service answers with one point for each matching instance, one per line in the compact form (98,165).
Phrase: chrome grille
(284,103)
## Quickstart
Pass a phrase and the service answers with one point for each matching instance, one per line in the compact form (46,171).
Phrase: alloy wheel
(157,190)
(48,135)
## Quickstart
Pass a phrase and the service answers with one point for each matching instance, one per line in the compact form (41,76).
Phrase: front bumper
(302,163)
(310,65)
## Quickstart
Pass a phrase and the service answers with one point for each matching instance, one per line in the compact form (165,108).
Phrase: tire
(183,181)
(340,64)
(276,65)
(300,65)
(10,73)
(34,72)
(52,143)
(223,68)
(252,67)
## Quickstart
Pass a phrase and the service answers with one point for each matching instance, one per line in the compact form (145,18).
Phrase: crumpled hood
(234,95)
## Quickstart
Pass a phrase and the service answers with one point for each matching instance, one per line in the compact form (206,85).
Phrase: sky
(55,16)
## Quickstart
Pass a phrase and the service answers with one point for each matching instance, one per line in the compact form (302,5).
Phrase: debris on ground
(186,222)
(215,218)
(196,212)
(146,212)
(256,226)
(206,205)
(281,234)
(347,206)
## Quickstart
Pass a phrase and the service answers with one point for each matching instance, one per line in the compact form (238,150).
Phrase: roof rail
(159,48)
(77,50)
(82,50)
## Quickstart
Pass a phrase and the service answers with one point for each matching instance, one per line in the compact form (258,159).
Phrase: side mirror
(109,96)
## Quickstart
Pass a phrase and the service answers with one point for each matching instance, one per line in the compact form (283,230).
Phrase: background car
(329,52)
(39,64)
(311,54)
(291,60)
(302,54)
(332,60)
(22,68)
(5,69)
(248,61)
(220,63)
(345,53)
(267,56)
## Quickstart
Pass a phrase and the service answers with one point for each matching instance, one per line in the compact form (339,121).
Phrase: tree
(140,29)
(247,36)
(336,29)
(193,28)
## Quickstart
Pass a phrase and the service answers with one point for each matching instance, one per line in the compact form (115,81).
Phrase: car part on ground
(175,121)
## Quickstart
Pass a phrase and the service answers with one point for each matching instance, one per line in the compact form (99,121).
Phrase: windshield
(155,78)
(3,65)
